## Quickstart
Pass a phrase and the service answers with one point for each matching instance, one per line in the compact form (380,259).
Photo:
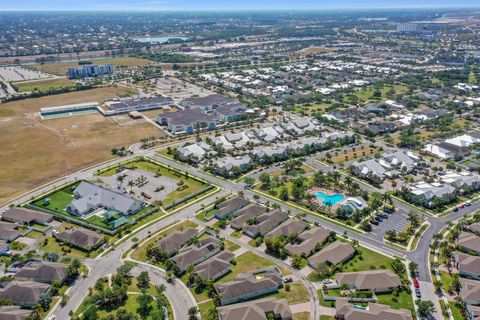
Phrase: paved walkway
(301,307)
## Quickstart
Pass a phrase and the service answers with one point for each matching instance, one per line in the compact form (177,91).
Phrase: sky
(186,5)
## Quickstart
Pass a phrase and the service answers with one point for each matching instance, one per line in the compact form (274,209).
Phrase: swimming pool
(329,200)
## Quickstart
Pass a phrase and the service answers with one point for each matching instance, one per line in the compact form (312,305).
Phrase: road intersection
(179,296)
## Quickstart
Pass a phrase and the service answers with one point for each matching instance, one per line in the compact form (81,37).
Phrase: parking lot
(151,185)
(396,221)
(178,89)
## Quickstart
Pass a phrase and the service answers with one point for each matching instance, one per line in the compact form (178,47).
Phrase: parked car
(455,209)
(468,203)
(418,293)
(375,222)
(461,206)
(416,283)
(378,218)
(383,215)
(327,281)
(287,279)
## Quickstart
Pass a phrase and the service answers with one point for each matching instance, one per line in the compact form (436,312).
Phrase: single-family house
(230,206)
(467,265)
(307,242)
(248,286)
(373,311)
(335,253)
(374,280)
(256,310)
(265,223)
(23,293)
(175,240)
(469,242)
(80,238)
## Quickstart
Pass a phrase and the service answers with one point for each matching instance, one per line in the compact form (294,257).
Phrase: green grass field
(43,85)
(402,301)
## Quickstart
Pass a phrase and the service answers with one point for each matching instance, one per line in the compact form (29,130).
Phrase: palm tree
(131,184)
(120,179)
(387,197)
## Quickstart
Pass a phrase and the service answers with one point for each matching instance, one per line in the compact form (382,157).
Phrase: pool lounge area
(329,200)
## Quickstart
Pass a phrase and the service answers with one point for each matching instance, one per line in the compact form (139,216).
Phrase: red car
(415,283)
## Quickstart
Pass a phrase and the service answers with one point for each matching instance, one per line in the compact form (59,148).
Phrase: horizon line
(249,9)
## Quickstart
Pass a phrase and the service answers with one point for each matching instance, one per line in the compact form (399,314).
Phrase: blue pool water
(329,200)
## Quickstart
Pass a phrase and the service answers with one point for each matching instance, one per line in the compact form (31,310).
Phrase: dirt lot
(61,68)
(35,151)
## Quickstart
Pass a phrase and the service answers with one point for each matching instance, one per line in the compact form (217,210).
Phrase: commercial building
(90,70)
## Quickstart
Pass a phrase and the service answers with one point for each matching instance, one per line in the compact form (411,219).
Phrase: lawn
(231,246)
(246,262)
(57,201)
(297,294)
(302,316)
(62,67)
(236,234)
(140,253)
(402,301)
(446,280)
(367,260)
(325,317)
(53,246)
(352,154)
(455,311)
(323,303)
(43,85)
(35,234)
(311,109)
(204,307)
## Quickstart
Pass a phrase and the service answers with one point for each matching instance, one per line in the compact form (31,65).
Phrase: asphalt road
(107,264)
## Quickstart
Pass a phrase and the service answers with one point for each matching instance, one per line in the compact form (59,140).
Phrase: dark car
(417,293)
(378,218)
(383,215)
(455,209)
(375,222)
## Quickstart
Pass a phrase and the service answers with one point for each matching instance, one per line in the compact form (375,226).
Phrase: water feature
(329,200)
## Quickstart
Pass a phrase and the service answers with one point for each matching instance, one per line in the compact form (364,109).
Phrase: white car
(51,318)
(327,281)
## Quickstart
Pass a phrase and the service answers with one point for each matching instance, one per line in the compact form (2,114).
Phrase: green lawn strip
(402,301)
(455,311)
(43,85)
(297,294)
(418,236)
(204,307)
(323,303)
(140,253)
(302,316)
(367,260)
(325,317)
(446,280)
(34,234)
(236,234)
(193,200)
(246,262)
(231,246)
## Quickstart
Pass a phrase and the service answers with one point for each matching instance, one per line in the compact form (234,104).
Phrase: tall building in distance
(407,27)
(90,70)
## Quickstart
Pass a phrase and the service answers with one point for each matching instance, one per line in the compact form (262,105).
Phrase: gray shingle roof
(43,271)
(24,215)
(23,292)
(90,195)
(174,240)
(79,237)
(335,253)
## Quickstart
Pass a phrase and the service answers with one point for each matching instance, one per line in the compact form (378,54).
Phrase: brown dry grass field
(61,68)
(36,151)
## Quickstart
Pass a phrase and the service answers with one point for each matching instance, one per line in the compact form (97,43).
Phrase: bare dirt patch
(36,151)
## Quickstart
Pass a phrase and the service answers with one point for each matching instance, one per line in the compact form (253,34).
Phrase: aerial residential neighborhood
(269,160)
